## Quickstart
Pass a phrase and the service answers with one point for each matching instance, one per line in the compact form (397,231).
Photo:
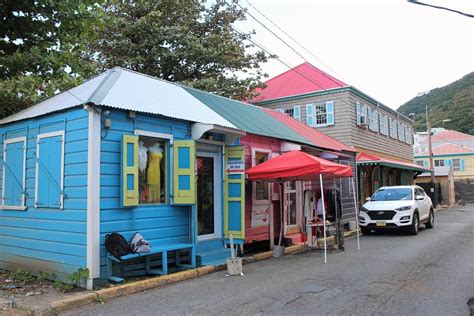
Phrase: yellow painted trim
(129,197)
(184,196)
(234,152)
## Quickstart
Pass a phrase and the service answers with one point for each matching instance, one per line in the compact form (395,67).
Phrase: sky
(392,50)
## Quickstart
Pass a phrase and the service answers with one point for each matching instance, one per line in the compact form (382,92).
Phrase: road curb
(150,283)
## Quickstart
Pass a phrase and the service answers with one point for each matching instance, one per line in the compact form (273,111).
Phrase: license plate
(380,224)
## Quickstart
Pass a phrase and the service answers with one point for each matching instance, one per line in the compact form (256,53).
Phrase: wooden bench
(154,250)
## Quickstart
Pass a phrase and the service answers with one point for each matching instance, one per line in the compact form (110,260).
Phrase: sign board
(235,167)
(260,215)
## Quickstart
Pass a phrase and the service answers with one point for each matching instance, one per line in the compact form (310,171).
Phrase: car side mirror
(367,199)
(419,197)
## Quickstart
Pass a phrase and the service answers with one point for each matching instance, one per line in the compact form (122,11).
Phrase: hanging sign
(235,167)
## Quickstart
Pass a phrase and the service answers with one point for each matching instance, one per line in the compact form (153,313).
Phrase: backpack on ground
(116,245)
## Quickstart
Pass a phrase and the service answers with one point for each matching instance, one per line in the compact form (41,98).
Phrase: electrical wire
(441,8)
(298,43)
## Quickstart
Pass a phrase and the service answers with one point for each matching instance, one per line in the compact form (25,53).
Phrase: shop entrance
(208,196)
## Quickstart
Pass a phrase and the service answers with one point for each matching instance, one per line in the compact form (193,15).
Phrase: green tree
(182,41)
(43,49)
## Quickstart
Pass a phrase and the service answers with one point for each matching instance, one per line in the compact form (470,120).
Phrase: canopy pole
(324,216)
(357,212)
(281,213)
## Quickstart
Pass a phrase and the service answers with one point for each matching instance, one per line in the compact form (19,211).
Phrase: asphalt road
(392,274)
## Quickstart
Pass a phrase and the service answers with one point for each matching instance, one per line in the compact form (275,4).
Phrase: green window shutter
(330,112)
(234,195)
(129,170)
(358,113)
(184,184)
(297,112)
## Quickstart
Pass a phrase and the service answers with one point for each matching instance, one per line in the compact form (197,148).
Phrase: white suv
(399,207)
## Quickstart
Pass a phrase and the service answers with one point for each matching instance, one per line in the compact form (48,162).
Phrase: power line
(296,42)
(442,8)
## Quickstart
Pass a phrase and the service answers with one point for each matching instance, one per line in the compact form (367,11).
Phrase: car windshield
(394,194)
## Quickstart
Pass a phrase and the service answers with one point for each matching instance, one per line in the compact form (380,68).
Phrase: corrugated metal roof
(318,138)
(249,118)
(128,90)
(298,80)
(448,149)
(364,158)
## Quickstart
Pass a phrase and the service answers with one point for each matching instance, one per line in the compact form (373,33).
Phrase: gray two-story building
(382,136)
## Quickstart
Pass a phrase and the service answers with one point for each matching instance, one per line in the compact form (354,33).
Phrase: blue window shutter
(309,115)
(297,112)
(280,110)
(461,164)
(448,162)
(330,112)
(376,121)
(358,114)
(14,171)
(370,118)
(425,163)
(49,164)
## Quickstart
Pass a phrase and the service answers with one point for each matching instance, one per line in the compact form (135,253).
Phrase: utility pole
(430,150)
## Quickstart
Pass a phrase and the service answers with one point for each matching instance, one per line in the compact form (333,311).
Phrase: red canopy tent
(297,165)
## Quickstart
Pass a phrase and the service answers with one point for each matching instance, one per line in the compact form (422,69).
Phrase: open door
(234,192)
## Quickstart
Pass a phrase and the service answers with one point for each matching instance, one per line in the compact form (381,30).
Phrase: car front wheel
(430,223)
(415,225)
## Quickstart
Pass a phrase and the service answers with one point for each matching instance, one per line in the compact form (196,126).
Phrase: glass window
(289,112)
(152,161)
(291,200)
(439,163)
(393,194)
(261,188)
(420,163)
(320,114)
(456,164)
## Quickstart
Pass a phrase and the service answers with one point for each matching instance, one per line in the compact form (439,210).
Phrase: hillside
(454,101)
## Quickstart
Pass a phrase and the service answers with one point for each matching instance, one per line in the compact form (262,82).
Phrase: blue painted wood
(160,224)
(51,239)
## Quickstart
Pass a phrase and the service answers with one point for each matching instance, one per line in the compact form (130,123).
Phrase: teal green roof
(249,118)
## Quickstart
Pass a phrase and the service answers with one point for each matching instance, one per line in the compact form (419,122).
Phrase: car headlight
(405,208)
(363,209)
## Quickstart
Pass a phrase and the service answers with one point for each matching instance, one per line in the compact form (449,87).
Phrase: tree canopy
(182,41)
(49,46)
(43,46)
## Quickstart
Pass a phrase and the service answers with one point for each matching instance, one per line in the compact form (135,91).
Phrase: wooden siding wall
(345,128)
(159,224)
(49,239)
(258,233)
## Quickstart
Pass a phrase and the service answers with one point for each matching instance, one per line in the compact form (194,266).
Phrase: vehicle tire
(365,230)
(430,223)
(415,225)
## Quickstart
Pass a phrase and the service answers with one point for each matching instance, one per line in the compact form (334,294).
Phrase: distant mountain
(454,101)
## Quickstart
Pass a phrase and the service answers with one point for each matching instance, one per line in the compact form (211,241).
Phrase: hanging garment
(154,177)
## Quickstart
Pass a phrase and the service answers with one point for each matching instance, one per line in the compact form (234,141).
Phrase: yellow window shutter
(129,181)
(184,184)
(234,192)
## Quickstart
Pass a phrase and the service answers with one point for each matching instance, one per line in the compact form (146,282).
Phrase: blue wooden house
(115,154)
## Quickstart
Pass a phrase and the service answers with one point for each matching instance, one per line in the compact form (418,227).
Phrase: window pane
(261,187)
(289,112)
(152,170)
(320,114)
(456,164)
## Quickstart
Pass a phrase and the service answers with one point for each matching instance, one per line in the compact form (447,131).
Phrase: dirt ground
(22,290)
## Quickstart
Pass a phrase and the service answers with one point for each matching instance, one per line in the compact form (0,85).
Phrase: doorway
(209,204)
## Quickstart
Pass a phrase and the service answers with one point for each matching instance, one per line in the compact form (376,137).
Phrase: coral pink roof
(448,149)
(363,157)
(301,79)
(451,136)
(318,138)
